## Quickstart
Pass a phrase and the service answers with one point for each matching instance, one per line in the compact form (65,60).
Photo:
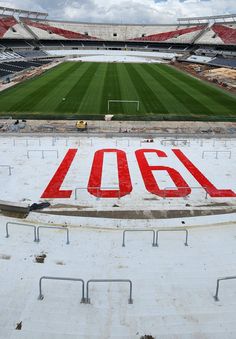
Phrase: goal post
(136,102)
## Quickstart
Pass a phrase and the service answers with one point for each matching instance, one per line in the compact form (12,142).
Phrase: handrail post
(20,224)
(186,239)
(157,238)
(191,187)
(175,230)
(123,242)
(87,299)
(217,290)
(41,296)
(67,237)
(218,285)
(54,227)
(9,168)
(130,300)
(146,230)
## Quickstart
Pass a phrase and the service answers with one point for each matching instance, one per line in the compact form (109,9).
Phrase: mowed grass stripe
(102,109)
(12,95)
(214,100)
(92,99)
(111,90)
(75,96)
(148,97)
(193,99)
(128,91)
(87,87)
(54,97)
(184,103)
(214,92)
(28,102)
(162,90)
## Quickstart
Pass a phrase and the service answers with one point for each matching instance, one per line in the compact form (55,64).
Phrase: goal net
(115,102)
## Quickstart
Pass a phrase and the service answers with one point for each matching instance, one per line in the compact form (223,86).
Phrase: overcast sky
(125,11)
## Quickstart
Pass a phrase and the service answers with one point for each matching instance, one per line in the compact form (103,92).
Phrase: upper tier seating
(28,29)
(219,34)
(179,35)
(56,30)
(10,28)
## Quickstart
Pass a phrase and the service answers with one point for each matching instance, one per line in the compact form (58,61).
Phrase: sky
(125,11)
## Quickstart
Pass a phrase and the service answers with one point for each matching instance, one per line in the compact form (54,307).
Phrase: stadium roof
(22,12)
(231,17)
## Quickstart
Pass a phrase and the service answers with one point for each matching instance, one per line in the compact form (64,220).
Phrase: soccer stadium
(118,178)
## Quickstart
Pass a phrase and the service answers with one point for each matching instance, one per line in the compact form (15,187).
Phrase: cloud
(124,11)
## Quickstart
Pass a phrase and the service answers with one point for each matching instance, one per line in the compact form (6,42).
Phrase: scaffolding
(8,11)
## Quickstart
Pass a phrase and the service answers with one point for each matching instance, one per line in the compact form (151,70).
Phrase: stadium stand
(12,67)
(219,34)
(226,33)
(29,38)
(214,61)
(48,30)
(32,54)
(55,30)
(16,43)
(10,28)
(182,35)
(9,56)
(4,72)
(223,62)
(199,59)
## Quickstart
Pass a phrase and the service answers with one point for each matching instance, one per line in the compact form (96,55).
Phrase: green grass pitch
(87,87)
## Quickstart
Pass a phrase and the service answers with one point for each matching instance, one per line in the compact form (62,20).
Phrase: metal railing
(41,296)
(217,153)
(9,168)
(175,142)
(55,139)
(27,141)
(20,224)
(79,142)
(218,285)
(83,188)
(6,117)
(128,141)
(147,141)
(225,142)
(42,152)
(175,230)
(54,227)
(130,300)
(191,187)
(143,230)
(95,188)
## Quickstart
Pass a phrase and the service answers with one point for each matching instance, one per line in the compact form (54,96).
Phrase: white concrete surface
(30,176)
(173,285)
(114,58)
(117,55)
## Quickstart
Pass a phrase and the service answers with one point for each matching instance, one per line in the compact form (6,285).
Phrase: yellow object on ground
(81,125)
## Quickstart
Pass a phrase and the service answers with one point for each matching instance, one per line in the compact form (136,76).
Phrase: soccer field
(75,89)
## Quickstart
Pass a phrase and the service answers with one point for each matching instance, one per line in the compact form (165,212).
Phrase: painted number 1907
(53,190)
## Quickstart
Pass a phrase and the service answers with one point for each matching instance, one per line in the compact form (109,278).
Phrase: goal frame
(125,101)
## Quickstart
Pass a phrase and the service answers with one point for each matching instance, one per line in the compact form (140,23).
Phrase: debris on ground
(39,206)
(40,258)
